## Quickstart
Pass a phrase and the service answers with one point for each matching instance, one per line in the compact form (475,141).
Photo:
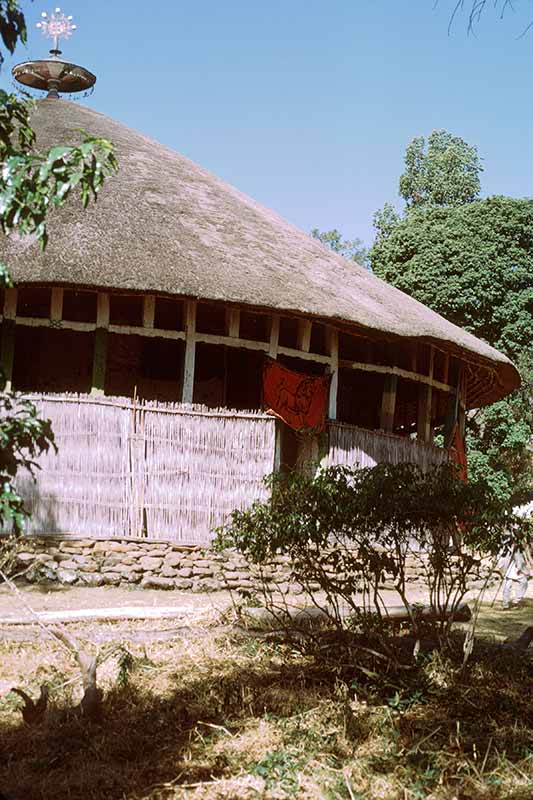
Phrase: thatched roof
(164,224)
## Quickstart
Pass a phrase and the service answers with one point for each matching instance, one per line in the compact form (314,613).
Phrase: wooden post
(148,311)
(333,350)
(233,316)
(100,344)
(7,345)
(187,390)
(425,403)
(56,307)
(274,336)
(304,335)
(388,403)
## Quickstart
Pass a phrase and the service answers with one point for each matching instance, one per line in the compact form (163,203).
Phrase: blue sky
(308,106)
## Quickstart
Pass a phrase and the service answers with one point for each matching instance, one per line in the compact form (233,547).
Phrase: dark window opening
(302,365)
(359,398)
(354,348)
(406,411)
(34,302)
(209,375)
(168,314)
(244,382)
(149,368)
(254,327)
(126,309)
(49,360)
(79,306)
(288,332)
(211,318)
(319,342)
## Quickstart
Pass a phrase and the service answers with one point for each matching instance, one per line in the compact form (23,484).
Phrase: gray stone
(203,571)
(119,558)
(182,583)
(88,566)
(231,575)
(185,572)
(68,565)
(168,572)
(158,553)
(67,576)
(173,560)
(91,579)
(206,585)
(148,563)
(26,558)
(112,578)
(153,582)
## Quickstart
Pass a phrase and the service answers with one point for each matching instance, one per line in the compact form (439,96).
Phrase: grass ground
(225,716)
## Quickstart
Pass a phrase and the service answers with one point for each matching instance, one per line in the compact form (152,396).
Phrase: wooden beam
(187,389)
(149,311)
(56,307)
(304,335)
(100,344)
(388,403)
(423,430)
(102,310)
(7,343)
(446,368)
(332,338)
(10,304)
(401,373)
(274,336)
(99,362)
(233,318)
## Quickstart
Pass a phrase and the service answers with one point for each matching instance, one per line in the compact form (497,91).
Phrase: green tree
(31,184)
(351,249)
(473,264)
(442,171)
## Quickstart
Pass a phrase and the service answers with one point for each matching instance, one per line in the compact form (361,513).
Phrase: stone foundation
(154,565)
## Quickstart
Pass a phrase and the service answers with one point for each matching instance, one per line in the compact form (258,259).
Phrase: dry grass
(215,717)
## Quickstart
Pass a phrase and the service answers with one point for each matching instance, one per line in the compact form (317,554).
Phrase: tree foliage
(443,170)
(33,182)
(472,262)
(350,249)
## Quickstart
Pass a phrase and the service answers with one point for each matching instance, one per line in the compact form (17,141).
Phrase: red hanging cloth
(298,399)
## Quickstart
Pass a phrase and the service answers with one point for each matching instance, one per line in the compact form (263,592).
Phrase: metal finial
(56,26)
(53,74)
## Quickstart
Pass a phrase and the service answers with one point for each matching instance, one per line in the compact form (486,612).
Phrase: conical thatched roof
(164,224)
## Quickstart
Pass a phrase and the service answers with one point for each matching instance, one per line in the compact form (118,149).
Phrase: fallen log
(393,614)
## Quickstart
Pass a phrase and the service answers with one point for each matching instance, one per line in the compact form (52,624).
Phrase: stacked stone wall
(155,565)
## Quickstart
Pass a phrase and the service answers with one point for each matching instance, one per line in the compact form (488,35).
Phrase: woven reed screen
(351,445)
(169,472)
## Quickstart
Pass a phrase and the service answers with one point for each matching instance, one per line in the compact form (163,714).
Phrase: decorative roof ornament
(53,74)
(56,26)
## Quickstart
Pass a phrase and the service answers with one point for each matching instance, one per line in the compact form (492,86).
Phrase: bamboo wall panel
(351,445)
(126,469)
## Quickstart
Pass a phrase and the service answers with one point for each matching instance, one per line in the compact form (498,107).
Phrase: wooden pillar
(56,307)
(187,390)
(7,345)
(388,403)
(304,335)
(100,344)
(274,336)
(333,350)
(425,403)
(148,311)
(233,317)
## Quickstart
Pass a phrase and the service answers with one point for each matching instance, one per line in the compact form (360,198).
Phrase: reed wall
(351,445)
(144,470)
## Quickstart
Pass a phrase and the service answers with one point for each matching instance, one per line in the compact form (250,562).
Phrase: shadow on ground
(175,723)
